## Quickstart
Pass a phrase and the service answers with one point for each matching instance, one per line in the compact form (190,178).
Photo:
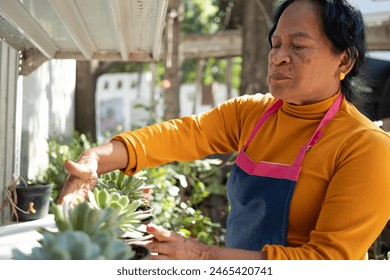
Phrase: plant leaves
(102,198)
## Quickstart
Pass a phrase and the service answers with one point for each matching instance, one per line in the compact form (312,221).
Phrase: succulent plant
(83,233)
(77,245)
(83,217)
(131,219)
(132,186)
(126,194)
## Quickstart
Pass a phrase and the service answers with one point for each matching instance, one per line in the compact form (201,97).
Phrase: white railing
(10,121)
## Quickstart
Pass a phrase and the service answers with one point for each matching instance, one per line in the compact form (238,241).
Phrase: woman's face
(302,66)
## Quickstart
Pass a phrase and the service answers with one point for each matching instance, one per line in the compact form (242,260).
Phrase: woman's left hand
(168,245)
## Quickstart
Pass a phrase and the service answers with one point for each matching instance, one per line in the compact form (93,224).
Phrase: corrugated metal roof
(121,30)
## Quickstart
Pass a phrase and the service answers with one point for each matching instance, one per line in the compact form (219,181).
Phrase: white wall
(118,93)
(48,108)
(116,97)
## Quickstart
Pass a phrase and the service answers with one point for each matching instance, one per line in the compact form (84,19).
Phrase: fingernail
(150,228)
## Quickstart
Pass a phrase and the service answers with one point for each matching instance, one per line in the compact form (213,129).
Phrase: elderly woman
(312,175)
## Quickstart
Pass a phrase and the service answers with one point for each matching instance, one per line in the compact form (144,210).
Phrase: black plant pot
(36,196)
(145,208)
(141,252)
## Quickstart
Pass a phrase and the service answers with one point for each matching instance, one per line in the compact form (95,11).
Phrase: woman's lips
(279,77)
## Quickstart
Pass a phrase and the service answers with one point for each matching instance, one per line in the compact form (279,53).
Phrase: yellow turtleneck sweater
(342,198)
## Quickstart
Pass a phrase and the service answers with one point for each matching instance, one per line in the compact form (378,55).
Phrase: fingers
(160,233)
(74,198)
(160,244)
(161,248)
(171,245)
(165,244)
(83,171)
(70,197)
(82,177)
(60,200)
(75,190)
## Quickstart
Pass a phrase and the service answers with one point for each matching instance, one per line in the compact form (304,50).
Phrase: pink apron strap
(318,133)
(271,110)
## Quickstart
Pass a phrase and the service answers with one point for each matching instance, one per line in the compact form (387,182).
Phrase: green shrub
(179,189)
(61,149)
(178,192)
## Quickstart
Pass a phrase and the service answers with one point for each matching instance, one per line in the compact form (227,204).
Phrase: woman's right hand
(83,174)
(82,177)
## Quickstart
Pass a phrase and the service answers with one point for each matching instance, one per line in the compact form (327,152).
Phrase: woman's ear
(347,61)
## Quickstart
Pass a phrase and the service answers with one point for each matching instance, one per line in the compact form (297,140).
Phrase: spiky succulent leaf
(116,181)
(120,178)
(77,245)
(61,217)
(132,207)
(133,234)
(111,184)
(94,235)
(114,250)
(114,196)
(116,205)
(102,199)
(85,218)
(79,216)
(124,201)
(92,198)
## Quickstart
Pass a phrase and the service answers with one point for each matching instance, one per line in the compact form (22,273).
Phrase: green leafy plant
(130,186)
(178,193)
(126,194)
(83,233)
(59,149)
(200,178)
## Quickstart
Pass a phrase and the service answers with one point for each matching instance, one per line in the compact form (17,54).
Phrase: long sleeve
(341,201)
(192,137)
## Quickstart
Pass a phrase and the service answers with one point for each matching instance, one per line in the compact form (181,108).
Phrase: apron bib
(260,193)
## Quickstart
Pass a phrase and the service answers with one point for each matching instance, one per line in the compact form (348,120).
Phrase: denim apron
(260,193)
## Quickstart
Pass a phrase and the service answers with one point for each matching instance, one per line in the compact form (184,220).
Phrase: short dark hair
(343,25)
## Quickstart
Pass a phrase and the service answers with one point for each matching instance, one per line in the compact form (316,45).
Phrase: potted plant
(126,194)
(131,186)
(28,200)
(84,233)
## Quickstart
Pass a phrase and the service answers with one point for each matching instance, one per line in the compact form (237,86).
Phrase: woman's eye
(298,47)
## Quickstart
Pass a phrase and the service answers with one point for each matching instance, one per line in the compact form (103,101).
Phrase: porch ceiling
(120,30)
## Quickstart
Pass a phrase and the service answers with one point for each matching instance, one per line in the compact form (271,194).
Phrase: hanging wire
(11,198)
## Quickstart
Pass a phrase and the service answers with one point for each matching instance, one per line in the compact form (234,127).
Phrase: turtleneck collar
(310,111)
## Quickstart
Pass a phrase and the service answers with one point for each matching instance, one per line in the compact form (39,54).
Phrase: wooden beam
(223,44)
(229,43)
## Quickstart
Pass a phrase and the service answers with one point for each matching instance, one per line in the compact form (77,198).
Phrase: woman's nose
(280,56)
